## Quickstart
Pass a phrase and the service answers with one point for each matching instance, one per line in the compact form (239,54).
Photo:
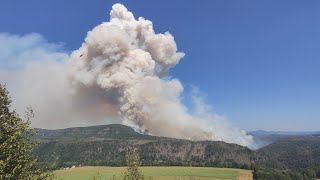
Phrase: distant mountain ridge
(263,138)
(287,133)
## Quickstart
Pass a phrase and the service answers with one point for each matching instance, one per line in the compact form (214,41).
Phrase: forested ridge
(288,157)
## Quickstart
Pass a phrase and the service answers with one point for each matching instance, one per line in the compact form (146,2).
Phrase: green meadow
(157,173)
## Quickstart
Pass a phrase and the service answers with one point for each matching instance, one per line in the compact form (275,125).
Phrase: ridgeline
(285,156)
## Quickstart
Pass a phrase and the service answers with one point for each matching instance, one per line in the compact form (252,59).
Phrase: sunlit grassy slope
(158,173)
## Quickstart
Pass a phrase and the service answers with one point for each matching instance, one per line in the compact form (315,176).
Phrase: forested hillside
(107,145)
(287,157)
(297,153)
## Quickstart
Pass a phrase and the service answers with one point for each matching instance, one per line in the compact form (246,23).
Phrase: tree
(16,144)
(133,171)
(133,162)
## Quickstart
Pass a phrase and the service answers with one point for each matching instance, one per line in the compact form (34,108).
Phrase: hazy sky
(257,61)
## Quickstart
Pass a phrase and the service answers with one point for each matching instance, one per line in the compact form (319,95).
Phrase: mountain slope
(107,145)
(296,152)
(287,157)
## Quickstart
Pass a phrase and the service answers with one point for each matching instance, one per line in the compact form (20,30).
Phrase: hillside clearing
(158,173)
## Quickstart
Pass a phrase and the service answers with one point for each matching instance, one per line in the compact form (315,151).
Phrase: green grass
(158,173)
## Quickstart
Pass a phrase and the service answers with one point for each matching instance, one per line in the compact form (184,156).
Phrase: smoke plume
(119,74)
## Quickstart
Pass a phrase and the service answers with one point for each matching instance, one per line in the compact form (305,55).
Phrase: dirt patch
(245,176)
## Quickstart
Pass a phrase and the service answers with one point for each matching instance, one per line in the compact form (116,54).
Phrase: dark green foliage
(265,173)
(296,153)
(300,154)
(156,152)
(16,145)
(288,158)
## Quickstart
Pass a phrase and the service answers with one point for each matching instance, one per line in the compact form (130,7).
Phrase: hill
(284,133)
(107,145)
(300,153)
(263,138)
(91,133)
(285,156)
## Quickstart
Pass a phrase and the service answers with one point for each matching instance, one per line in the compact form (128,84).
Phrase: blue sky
(257,61)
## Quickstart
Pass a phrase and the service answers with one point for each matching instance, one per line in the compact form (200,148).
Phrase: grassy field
(157,173)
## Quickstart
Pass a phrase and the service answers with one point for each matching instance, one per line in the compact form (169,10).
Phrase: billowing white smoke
(120,74)
(128,62)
